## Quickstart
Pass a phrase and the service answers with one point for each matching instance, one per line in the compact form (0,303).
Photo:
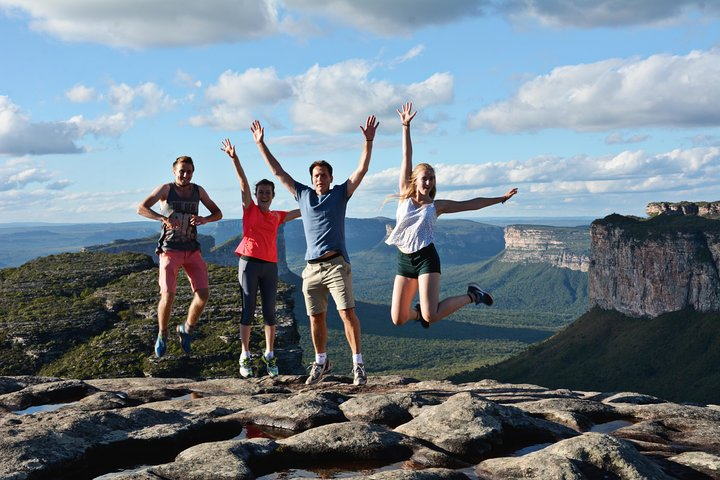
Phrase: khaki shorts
(334,277)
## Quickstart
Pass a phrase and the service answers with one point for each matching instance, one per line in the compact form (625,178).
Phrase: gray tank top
(179,211)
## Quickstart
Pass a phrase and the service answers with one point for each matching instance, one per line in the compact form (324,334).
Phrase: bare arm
(259,136)
(215,213)
(292,215)
(145,208)
(406,116)
(357,176)
(229,148)
(452,206)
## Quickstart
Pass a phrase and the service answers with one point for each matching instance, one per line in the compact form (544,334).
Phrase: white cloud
(142,24)
(410,54)
(144,100)
(224,117)
(129,104)
(103,126)
(20,136)
(627,171)
(234,95)
(255,86)
(18,173)
(607,13)
(330,100)
(81,94)
(338,98)
(186,80)
(662,90)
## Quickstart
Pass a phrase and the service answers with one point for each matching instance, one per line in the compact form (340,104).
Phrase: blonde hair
(410,188)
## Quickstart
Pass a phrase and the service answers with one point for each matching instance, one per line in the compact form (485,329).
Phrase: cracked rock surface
(391,428)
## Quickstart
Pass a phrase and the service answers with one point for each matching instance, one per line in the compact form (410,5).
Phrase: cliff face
(701,209)
(646,268)
(561,247)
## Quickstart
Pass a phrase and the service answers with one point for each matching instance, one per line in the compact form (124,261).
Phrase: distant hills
(673,356)
(65,315)
(470,252)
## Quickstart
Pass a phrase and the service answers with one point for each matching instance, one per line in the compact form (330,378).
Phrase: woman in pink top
(418,261)
(257,267)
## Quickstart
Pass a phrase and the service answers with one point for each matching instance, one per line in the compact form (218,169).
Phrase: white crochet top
(414,227)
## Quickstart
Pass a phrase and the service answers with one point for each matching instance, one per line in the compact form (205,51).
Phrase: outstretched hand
(258,132)
(510,193)
(406,113)
(370,126)
(228,148)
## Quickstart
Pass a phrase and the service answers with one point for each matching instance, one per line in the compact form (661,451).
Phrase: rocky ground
(392,428)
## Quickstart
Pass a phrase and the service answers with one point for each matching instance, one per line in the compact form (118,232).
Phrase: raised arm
(215,213)
(356,177)
(406,116)
(452,206)
(258,133)
(229,148)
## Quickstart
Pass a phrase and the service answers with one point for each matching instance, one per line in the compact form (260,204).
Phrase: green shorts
(425,260)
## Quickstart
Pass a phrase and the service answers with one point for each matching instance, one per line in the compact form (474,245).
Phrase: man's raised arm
(357,176)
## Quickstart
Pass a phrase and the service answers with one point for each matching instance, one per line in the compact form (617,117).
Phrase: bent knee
(203,294)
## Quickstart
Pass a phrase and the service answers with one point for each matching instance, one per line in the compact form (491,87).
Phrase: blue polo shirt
(323,218)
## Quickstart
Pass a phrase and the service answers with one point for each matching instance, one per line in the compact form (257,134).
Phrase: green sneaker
(246,369)
(271,365)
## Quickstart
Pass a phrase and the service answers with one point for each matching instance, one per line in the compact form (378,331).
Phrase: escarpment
(563,247)
(643,268)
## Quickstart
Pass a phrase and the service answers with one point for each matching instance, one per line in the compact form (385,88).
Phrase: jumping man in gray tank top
(178,247)
(328,271)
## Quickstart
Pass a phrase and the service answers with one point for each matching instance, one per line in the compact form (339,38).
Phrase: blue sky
(588,107)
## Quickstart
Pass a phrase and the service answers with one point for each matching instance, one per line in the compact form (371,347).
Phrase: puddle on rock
(49,407)
(529,449)
(609,427)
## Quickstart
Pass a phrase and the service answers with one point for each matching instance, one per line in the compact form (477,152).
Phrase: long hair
(410,188)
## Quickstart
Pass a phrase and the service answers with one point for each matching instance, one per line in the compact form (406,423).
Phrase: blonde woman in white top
(418,260)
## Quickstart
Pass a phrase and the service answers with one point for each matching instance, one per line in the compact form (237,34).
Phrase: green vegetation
(673,356)
(89,315)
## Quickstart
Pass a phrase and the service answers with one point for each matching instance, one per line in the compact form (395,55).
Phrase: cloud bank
(658,91)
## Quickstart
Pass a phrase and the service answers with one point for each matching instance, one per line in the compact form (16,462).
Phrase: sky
(587,107)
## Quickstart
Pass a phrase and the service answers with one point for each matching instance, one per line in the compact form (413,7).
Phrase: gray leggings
(251,276)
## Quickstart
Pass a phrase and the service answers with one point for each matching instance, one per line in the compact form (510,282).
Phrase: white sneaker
(246,367)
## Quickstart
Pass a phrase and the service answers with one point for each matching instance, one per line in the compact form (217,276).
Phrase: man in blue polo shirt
(328,271)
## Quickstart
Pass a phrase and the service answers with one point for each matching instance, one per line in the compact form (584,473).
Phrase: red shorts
(192,263)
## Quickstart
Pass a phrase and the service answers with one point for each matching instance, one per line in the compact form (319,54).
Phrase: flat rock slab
(392,428)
